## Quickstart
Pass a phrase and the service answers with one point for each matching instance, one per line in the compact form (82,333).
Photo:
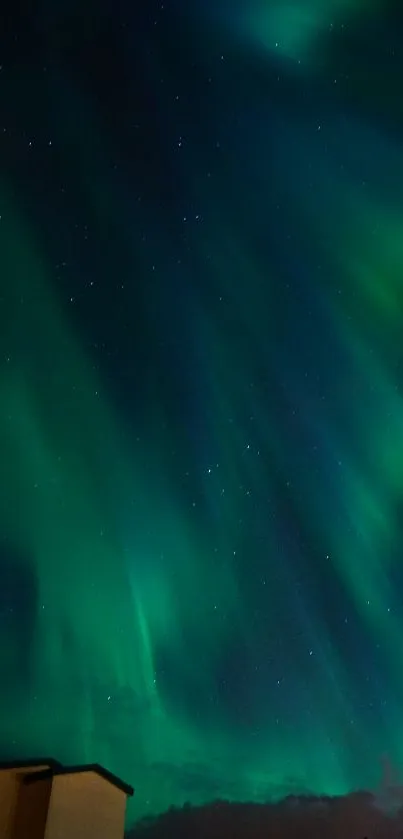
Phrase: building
(41,799)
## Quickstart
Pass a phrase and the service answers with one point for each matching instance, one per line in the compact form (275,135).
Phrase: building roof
(31,763)
(53,767)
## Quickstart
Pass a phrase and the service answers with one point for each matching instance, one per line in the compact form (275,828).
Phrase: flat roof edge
(56,770)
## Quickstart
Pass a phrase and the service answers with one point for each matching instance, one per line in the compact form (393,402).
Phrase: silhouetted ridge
(352,816)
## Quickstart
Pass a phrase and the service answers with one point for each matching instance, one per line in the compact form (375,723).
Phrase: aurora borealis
(201,389)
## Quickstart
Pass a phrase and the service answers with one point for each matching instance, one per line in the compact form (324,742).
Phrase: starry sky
(201,391)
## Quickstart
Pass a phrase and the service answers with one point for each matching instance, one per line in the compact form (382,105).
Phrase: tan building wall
(8,802)
(32,810)
(13,794)
(84,805)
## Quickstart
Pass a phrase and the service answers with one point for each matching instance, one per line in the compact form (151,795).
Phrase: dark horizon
(359,814)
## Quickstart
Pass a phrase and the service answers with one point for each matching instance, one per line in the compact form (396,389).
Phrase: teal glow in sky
(201,427)
(294,30)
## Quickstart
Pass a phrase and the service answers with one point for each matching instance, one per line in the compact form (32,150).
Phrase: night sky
(201,392)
